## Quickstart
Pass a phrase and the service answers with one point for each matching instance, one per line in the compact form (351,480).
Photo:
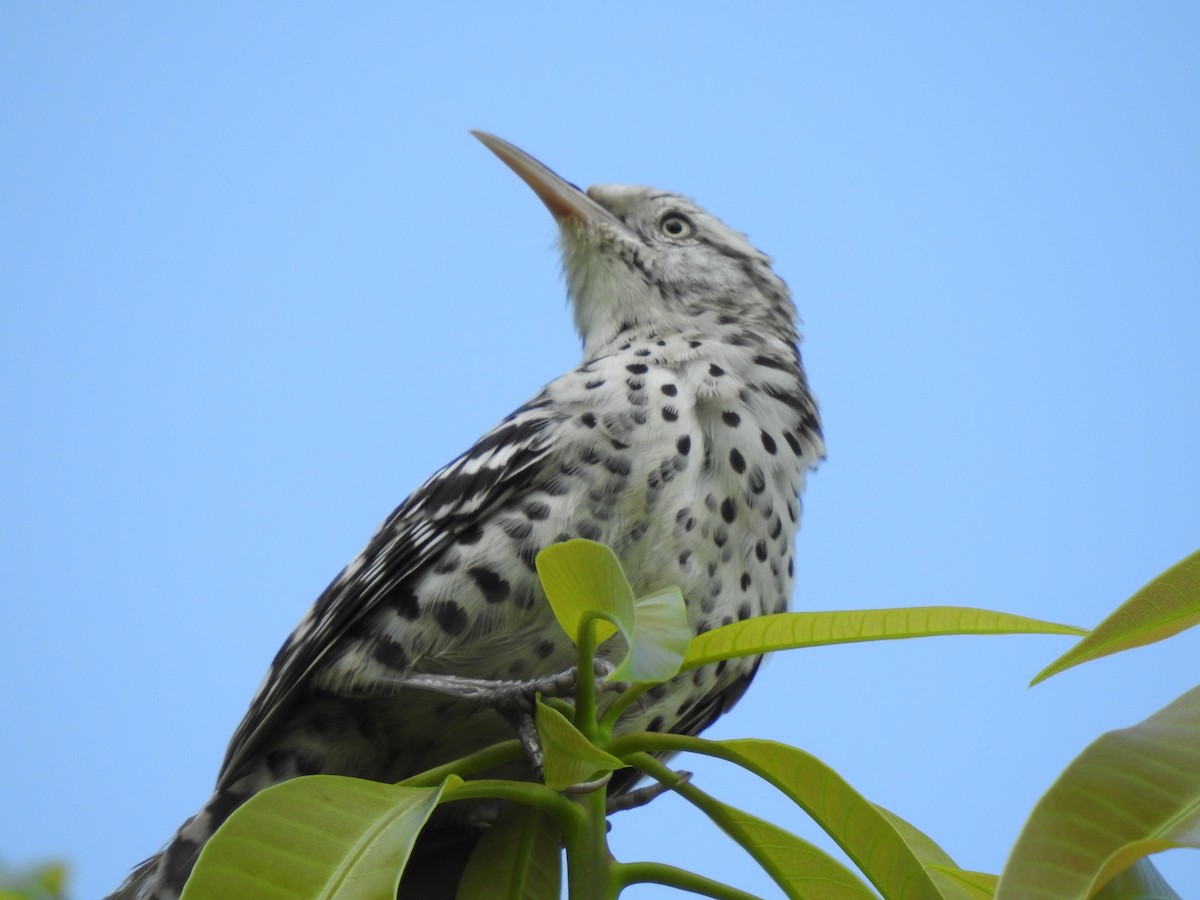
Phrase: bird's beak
(565,201)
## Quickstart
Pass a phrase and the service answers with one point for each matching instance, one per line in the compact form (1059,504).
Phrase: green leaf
(658,639)
(1164,607)
(952,882)
(314,837)
(963,883)
(889,851)
(1141,881)
(784,631)
(518,858)
(927,851)
(580,576)
(801,869)
(1134,791)
(570,758)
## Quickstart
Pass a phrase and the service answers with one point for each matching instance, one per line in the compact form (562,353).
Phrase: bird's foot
(641,796)
(514,699)
(503,694)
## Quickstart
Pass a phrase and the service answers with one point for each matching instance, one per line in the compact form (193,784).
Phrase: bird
(682,440)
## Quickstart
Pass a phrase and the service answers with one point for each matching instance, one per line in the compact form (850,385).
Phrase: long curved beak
(564,200)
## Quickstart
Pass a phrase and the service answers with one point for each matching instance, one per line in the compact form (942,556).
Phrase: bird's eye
(676,225)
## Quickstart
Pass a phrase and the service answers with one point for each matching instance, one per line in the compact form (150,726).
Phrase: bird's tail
(140,883)
(162,876)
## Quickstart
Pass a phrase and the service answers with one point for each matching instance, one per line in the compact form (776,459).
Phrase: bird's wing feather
(456,498)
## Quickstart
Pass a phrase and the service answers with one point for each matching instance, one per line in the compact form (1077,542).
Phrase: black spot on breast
(728,509)
(760,551)
(743,611)
(683,445)
(757,480)
(731,418)
(537,511)
(642,351)
(618,466)
(715,371)
(390,654)
(517,529)
(403,600)
(670,414)
(694,344)
(494,588)
(669,389)
(635,384)
(637,368)
(737,460)
(745,584)
(768,443)
(793,442)
(656,724)
(594,383)
(544,649)
(449,616)
(588,419)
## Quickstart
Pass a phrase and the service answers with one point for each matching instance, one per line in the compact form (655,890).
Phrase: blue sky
(256,282)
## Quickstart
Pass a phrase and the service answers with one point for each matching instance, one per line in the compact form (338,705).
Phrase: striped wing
(455,499)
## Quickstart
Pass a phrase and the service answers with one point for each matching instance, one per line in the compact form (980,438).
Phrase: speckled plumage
(682,440)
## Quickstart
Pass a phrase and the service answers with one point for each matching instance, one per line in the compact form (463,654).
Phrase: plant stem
(618,706)
(658,873)
(560,807)
(480,761)
(585,688)
(589,863)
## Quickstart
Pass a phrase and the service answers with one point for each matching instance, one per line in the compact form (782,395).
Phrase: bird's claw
(515,699)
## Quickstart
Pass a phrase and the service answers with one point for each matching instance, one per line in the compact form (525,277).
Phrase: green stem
(565,813)
(480,761)
(657,873)
(617,708)
(585,688)
(589,863)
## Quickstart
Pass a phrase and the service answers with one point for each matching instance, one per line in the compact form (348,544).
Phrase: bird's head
(637,257)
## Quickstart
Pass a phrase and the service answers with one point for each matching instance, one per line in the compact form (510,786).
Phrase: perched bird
(682,440)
